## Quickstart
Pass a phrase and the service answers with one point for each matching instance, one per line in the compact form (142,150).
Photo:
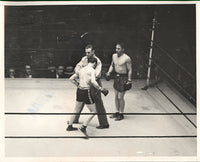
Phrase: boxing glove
(128,86)
(107,76)
(104,91)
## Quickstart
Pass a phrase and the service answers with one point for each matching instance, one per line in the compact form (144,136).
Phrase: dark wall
(43,35)
(176,34)
(51,35)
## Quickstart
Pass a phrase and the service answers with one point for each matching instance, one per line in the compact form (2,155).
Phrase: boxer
(122,64)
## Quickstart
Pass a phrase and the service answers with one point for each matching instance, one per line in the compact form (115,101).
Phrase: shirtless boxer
(122,65)
(87,78)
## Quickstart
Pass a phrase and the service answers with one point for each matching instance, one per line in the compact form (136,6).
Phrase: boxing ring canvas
(44,134)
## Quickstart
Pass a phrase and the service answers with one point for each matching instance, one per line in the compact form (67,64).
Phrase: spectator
(60,72)
(12,73)
(69,71)
(51,73)
(28,72)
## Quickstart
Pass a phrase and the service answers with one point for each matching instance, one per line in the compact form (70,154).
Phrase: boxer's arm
(79,66)
(96,85)
(93,80)
(98,69)
(111,67)
(129,68)
(73,79)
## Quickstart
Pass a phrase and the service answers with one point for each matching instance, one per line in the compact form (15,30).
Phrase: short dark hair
(89,46)
(121,44)
(92,60)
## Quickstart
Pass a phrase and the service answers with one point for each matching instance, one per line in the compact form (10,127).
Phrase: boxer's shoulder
(114,55)
(84,58)
(127,57)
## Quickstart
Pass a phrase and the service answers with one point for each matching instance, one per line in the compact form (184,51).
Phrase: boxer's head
(89,51)
(119,48)
(92,61)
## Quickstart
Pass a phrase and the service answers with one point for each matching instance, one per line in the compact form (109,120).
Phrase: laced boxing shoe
(102,126)
(83,128)
(115,115)
(71,128)
(119,117)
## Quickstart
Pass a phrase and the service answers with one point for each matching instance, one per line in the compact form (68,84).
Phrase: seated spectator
(26,73)
(69,71)
(12,73)
(51,72)
(60,72)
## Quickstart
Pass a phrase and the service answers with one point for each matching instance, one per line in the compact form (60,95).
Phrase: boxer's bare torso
(120,63)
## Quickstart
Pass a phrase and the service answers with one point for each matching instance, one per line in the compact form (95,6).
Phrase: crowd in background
(50,72)
(178,78)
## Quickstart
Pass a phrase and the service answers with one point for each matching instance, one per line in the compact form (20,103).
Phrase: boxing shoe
(102,127)
(71,128)
(114,115)
(119,117)
(83,129)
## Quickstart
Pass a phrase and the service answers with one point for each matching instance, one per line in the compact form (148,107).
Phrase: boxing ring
(158,122)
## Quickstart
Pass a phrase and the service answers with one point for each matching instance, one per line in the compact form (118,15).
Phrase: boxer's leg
(92,109)
(77,116)
(76,110)
(121,105)
(121,101)
(117,104)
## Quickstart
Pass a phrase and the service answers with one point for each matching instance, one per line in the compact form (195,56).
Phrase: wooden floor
(138,135)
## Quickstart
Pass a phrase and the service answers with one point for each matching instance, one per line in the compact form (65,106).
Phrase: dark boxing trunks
(84,95)
(119,82)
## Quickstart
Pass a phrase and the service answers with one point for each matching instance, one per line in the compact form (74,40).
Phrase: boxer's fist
(107,76)
(104,91)
(128,85)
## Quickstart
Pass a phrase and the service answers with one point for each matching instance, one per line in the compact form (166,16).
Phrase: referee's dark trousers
(101,112)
